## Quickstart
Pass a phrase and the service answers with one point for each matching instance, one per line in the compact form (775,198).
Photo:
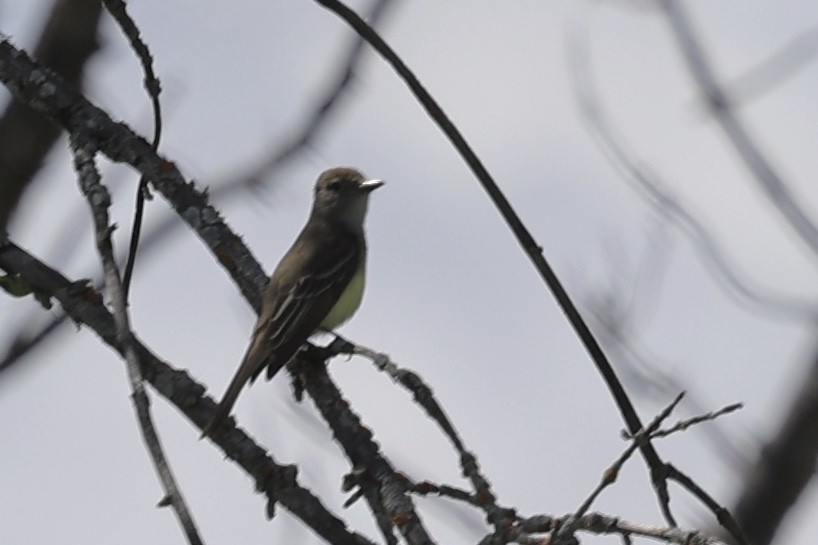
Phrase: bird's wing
(301,308)
(302,303)
(293,309)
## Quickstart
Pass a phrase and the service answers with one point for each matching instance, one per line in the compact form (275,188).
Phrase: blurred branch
(24,341)
(322,112)
(761,168)
(785,465)
(776,69)
(66,43)
(656,194)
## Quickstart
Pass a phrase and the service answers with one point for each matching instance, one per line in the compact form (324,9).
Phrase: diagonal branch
(49,95)
(484,497)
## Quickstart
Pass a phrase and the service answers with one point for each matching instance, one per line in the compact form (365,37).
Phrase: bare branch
(386,491)
(324,110)
(99,201)
(500,517)
(600,524)
(46,93)
(609,475)
(117,10)
(682,425)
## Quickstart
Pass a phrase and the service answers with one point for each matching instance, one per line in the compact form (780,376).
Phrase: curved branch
(524,238)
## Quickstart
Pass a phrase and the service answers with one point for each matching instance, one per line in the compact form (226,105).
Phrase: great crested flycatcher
(317,285)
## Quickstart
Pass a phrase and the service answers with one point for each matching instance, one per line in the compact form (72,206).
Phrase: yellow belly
(348,303)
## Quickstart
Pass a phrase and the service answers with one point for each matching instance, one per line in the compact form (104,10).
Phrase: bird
(317,286)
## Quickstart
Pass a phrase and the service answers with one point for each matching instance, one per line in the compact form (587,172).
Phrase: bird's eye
(334,185)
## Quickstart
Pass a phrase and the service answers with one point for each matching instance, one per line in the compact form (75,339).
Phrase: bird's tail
(249,369)
(259,355)
(227,402)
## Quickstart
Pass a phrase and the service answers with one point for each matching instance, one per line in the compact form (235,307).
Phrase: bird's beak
(370,185)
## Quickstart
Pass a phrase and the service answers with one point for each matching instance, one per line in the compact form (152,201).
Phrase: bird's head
(342,194)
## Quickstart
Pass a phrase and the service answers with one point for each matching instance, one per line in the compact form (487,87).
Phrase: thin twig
(118,11)
(610,475)
(99,201)
(682,425)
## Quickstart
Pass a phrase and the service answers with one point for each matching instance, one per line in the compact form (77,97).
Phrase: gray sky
(449,295)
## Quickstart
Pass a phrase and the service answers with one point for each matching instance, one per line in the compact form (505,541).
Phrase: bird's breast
(348,303)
